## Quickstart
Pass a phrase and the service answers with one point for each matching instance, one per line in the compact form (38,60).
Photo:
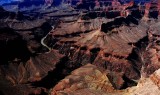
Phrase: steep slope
(84,42)
(90,80)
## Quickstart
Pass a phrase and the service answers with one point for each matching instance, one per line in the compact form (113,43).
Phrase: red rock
(114,45)
(87,78)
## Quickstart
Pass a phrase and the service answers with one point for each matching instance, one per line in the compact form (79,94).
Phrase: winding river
(42,40)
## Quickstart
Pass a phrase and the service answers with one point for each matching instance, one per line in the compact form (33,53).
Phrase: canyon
(92,47)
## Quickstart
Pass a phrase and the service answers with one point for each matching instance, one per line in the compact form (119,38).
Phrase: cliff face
(109,47)
(85,80)
(127,47)
(23,58)
(142,88)
(96,82)
(108,53)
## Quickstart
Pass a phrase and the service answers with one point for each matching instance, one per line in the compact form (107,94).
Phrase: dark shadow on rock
(118,22)
(54,76)
(12,46)
(128,82)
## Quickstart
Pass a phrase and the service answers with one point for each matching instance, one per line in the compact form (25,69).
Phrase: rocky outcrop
(87,80)
(111,52)
(147,86)
(34,70)
(24,59)
(109,46)
(18,76)
(150,56)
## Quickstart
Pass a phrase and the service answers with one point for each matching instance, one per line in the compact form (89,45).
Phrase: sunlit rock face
(147,86)
(89,80)
(85,80)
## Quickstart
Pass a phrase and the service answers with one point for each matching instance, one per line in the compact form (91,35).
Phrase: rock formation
(104,46)
(107,48)
(21,52)
(85,80)
(89,80)
(146,86)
